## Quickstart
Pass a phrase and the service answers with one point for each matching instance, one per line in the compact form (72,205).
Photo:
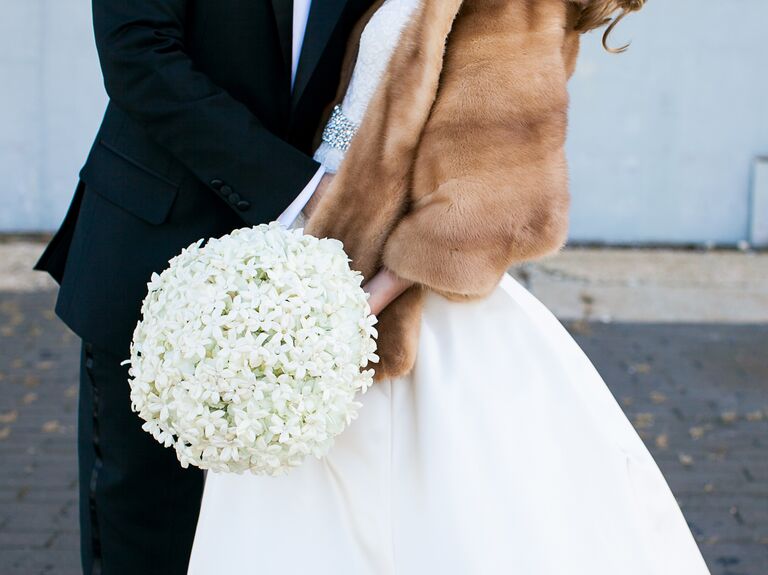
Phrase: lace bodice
(377,43)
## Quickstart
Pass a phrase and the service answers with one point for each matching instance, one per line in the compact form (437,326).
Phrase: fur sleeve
(489,186)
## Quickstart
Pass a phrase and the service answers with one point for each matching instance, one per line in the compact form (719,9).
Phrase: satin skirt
(503,452)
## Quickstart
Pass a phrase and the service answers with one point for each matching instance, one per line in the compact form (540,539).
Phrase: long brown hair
(597,13)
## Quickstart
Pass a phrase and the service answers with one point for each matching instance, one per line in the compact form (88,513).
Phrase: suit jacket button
(234,198)
(225,191)
(216,184)
(243,205)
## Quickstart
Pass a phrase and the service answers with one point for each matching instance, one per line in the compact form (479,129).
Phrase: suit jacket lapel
(323,17)
(283,10)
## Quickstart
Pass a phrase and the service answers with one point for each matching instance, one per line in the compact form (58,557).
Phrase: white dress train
(503,452)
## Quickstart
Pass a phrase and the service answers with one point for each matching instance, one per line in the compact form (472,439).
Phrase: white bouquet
(252,349)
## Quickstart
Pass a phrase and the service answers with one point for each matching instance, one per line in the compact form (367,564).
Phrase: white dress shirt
(300,19)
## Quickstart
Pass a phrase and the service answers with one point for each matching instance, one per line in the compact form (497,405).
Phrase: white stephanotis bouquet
(251,350)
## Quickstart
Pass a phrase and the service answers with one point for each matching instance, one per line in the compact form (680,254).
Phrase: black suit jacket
(202,135)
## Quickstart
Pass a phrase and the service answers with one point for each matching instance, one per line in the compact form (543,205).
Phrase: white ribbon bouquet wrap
(252,349)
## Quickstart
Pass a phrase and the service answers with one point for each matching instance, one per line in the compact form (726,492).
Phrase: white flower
(252,349)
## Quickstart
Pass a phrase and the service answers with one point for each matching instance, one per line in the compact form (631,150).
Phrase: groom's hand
(322,188)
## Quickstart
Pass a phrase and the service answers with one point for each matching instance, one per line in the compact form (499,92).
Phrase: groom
(212,113)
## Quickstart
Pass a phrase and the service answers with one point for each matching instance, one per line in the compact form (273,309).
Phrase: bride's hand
(322,187)
(384,288)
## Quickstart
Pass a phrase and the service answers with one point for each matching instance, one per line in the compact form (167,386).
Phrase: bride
(490,444)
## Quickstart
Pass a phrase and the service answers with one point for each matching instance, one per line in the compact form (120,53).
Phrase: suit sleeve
(149,75)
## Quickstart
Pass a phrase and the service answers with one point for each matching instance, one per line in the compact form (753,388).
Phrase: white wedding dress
(503,452)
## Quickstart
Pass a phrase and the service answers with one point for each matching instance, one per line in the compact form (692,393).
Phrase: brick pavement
(697,394)
(38,404)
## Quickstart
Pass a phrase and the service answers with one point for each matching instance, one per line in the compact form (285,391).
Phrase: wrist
(384,288)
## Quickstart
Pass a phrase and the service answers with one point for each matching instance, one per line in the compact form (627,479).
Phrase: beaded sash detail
(339,131)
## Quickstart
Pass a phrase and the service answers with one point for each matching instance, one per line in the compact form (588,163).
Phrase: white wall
(51,101)
(661,143)
(663,137)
